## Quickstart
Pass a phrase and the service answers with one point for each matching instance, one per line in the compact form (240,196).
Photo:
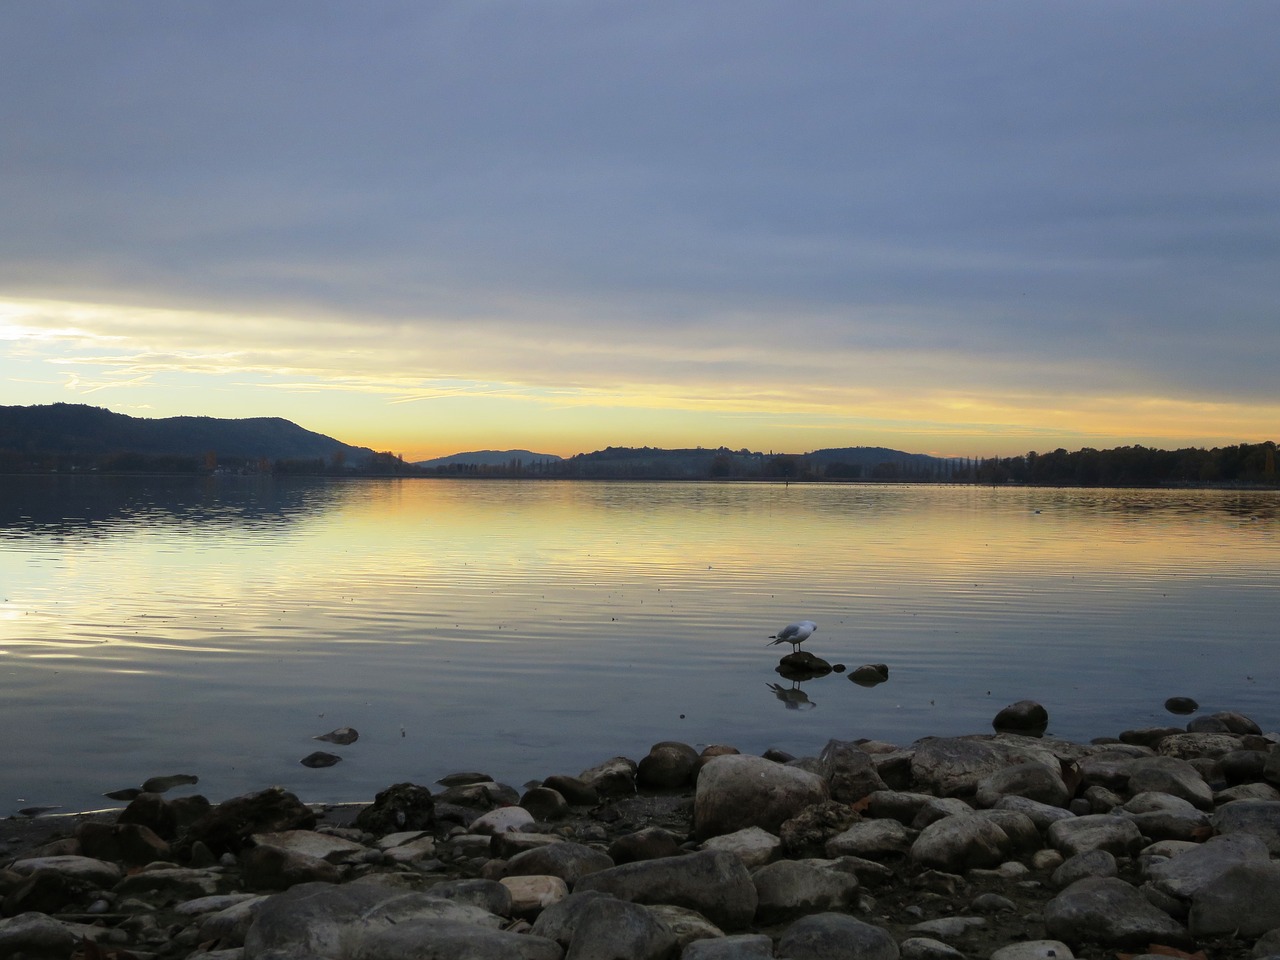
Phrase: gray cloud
(1052,185)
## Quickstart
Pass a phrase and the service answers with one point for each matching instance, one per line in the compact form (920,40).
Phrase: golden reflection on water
(521,617)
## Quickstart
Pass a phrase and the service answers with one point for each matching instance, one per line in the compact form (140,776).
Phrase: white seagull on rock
(794,634)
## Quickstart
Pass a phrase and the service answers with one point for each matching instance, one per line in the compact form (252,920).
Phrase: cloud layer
(1052,215)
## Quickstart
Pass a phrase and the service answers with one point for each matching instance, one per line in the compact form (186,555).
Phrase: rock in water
(319,759)
(342,736)
(162,784)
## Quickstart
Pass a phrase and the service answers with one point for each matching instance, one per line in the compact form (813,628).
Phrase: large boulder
(667,765)
(1258,817)
(789,889)
(836,936)
(229,827)
(849,771)
(1033,780)
(736,791)
(953,766)
(1108,911)
(959,843)
(715,884)
(1243,901)
(322,920)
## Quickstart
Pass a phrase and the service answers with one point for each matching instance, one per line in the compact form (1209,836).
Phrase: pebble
(914,867)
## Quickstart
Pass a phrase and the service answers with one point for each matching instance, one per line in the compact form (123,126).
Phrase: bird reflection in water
(793,698)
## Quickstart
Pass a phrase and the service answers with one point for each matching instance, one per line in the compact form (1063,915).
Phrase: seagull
(794,634)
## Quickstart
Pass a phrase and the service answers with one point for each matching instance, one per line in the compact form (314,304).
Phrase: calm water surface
(158,626)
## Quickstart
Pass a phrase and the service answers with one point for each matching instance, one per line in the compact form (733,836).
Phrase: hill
(92,436)
(488,458)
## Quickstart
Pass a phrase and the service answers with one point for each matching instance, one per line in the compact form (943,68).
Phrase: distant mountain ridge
(489,458)
(70,429)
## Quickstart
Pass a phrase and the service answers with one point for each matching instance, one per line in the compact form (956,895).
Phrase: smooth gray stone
(1188,873)
(1243,900)
(836,936)
(317,920)
(449,940)
(789,889)
(1258,817)
(959,843)
(609,928)
(743,946)
(715,884)
(1110,912)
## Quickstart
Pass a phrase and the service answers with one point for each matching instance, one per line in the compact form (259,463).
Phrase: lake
(214,626)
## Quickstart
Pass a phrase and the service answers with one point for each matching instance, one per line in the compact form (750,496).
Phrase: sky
(960,228)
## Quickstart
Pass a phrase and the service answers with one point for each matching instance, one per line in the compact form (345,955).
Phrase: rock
(492,896)
(482,796)
(1035,781)
(668,764)
(1035,950)
(1026,717)
(1148,736)
(806,834)
(1258,817)
(613,778)
(1043,815)
(1095,831)
(737,791)
(403,806)
(789,889)
(1188,873)
(1109,912)
(1024,836)
(607,929)
(1182,705)
(849,771)
(1169,775)
(445,939)
(38,936)
(228,827)
(171,883)
(869,674)
(230,925)
(318,759)
(1243,766)
(133,843)
(504,846)
(153,812)
(1243,901)
(835,936)
(1188,746)
(97,872)
(502,820)
(936,808)
(926,948)
(687,925)
(308,843)
(277,868)
(959,843)
(873,839)
(545,804)
(576,792)
(753,846)
(651,843)
(569,861)
(559,920)
(48,891)
(343,736)
(1091,863)
(953,766)
(322,920)
(716,885)
(1164,817)
(948,927)
(744,946)
(530,895)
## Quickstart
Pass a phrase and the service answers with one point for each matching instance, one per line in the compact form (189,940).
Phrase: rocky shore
(1007,845)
